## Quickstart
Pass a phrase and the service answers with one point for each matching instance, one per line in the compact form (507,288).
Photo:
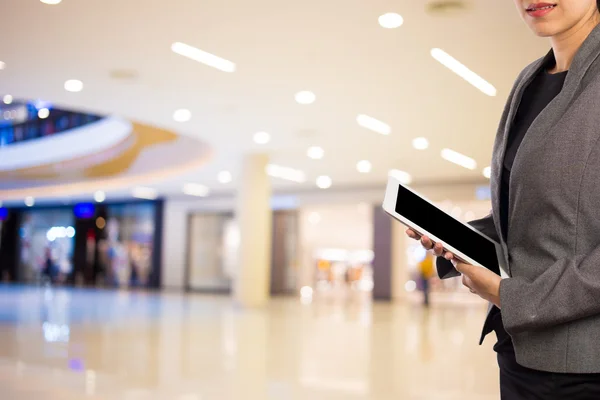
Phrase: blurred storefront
(126,244)
(336,249)
(87,244)
(212,252)
(46,245)
(321,245)
(212,246)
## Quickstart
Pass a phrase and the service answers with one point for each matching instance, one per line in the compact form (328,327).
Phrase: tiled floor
(77,344)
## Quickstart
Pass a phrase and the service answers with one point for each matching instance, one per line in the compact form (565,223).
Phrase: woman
(546,214)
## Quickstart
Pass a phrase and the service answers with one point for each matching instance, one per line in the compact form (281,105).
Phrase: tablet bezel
(389,206)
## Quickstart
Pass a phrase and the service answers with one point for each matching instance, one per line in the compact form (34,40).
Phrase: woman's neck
(566,44)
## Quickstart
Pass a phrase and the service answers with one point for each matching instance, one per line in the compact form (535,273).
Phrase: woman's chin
(543,30)
(549,28)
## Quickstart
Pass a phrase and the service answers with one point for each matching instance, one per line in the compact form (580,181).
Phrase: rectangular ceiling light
(461,70)
(202,57)
(459,159)
(195,189)
(145,193)
(373,124)
(289,174)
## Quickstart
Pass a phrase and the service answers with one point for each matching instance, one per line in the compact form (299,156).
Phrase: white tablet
(421,215)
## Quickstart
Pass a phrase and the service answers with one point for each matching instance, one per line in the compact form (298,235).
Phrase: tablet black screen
(446,228)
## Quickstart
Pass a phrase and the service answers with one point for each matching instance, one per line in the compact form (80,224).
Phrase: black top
(540,92)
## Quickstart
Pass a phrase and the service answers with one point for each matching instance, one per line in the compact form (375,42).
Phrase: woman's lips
(540,9)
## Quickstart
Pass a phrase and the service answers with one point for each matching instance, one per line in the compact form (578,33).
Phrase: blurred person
(118,254)
(426,273)
(546,314)
(47,267)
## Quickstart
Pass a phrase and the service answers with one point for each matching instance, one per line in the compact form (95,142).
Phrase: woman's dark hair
(598,4)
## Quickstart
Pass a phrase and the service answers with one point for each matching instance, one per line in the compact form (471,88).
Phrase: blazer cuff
(517,316)
(445,268)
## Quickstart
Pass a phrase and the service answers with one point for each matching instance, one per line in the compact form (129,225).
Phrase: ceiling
(334,48)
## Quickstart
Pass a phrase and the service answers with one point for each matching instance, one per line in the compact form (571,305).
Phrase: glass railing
(20,121)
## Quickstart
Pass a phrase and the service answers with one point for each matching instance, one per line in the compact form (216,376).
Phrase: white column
(253,214)
(400,270)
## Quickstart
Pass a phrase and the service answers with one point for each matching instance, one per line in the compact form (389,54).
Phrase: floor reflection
(74,344)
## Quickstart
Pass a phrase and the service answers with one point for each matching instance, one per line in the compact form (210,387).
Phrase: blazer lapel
(547,119)
(501,141)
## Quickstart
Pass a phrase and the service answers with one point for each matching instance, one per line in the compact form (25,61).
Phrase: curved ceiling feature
(147,155)
(80,142)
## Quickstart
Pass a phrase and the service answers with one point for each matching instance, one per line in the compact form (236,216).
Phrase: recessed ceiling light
(51,2)
(487,172)
(364,166)
(99,196)
(315,152)
(324,182)
(305,97)
(144,193)
(182,115)
(461,70)
(73,85)
(2,65)
(224,177)
(459,159)
(289,174)
(195,189)
(403,177)
(43,113)
(420,143)
(373,124)
(262,138)
(7,99)
(391,20)
(203,57)
(29,201)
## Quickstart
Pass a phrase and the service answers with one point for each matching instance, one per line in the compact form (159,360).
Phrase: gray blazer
(551,302)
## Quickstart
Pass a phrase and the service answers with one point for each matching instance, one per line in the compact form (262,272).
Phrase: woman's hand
(437,248)
(480,281)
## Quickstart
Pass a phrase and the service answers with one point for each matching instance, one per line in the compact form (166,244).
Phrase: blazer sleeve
(484,225)
(567,291)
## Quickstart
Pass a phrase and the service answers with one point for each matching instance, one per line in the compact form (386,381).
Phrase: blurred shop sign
(13,114)
(284,202)
(483,193)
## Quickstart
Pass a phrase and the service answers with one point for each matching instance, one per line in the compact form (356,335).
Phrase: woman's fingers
(426,242)
(438,249)
(412,234)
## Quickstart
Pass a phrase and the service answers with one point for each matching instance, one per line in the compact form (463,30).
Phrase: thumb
(462,267)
